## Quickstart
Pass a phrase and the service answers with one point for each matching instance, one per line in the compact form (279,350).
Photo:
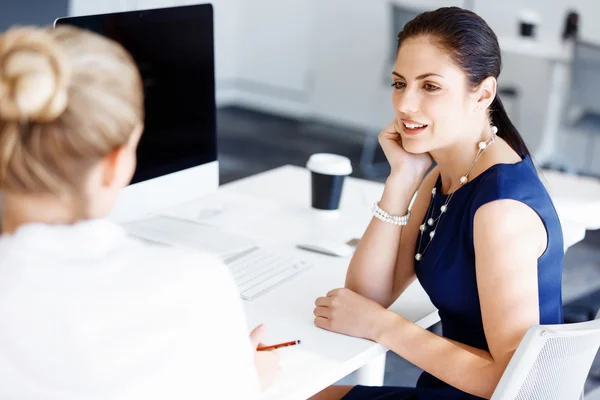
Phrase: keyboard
(258,270)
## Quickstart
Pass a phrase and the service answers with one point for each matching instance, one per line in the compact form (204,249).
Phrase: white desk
(576,198)
(559,56)
(324,357)
(283,220)
(547,49)
(577,213)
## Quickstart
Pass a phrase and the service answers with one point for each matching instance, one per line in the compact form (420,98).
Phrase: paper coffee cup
(327,179)
(528,21)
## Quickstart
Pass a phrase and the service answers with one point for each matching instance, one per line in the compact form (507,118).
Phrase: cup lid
(530,17)
(329,164)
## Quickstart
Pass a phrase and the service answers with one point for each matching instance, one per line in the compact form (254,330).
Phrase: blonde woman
(85,311)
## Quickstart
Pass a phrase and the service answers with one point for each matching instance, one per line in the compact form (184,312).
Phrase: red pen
(278,346)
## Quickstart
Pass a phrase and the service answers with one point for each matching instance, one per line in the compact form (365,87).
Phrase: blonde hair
(68,97)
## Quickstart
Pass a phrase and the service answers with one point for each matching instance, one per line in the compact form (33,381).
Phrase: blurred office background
(295,77)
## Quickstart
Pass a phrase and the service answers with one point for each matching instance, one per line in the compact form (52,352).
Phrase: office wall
(274,61)
(317,59)
(330,59)
(348,70)
(502,19)
(86,7)
(351,57)
(351,67)
(30,12)
(532,75)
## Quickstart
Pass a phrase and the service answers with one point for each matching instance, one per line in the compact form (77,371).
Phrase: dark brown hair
(473,47)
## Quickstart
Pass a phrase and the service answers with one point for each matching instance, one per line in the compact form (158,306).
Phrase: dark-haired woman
(482,237)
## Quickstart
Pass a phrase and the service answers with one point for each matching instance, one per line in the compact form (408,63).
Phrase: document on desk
(186,233)
(233,212)
(298,367)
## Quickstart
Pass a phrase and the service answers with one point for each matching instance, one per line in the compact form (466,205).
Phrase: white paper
(187,233)
(229,211)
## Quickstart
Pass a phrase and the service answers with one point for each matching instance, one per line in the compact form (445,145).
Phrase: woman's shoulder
(509,181)
(519,181)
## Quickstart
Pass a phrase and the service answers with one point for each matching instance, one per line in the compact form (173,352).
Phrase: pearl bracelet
(392,219)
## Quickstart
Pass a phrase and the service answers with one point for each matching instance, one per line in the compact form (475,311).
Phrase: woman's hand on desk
(267,362)
(344,311)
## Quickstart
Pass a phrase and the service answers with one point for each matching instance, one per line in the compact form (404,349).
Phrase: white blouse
(87,312)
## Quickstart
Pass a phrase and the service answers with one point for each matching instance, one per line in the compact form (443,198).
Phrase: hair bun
(34,76)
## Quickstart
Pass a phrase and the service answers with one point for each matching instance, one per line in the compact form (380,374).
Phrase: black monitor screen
(173,48)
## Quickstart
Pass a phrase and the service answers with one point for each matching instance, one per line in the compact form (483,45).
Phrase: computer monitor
(177,153)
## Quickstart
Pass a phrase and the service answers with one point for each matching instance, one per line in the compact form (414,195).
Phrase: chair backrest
(585,77)
(551,363)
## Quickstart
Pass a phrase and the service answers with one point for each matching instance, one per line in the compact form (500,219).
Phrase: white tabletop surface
(554,50)
(274,208)
(576,198)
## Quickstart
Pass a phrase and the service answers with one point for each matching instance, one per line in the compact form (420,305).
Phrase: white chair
(552,362)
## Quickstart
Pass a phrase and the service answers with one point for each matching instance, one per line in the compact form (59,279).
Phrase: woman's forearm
(467,368)
(372,268)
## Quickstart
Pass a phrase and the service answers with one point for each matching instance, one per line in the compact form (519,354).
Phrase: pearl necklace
(482,147)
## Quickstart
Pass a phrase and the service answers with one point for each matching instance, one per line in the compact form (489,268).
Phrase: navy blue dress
(447,268)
